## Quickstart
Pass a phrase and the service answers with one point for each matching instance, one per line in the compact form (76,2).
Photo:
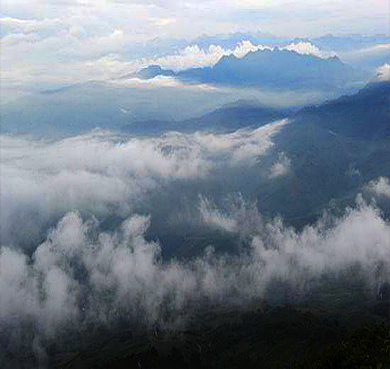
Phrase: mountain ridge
(363,115)
(277,68)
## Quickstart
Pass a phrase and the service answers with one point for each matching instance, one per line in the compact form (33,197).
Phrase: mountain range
(277,68)
(365,115)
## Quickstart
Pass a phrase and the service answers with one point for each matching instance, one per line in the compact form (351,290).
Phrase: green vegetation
(367,347)
(348,332)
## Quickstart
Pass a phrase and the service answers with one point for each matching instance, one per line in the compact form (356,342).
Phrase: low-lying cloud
(103,173)
(62,268)
(80,274)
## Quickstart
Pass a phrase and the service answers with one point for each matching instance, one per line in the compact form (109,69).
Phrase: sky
(60,42)
(143,20)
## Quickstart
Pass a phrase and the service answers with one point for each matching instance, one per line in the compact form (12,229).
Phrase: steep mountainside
(365,115)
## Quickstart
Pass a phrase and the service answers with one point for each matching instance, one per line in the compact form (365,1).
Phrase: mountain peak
(227,58)
(277,68)
(152,71)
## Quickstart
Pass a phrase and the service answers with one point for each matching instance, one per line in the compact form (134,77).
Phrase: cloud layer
(75,216)
(103,173)
(80,275)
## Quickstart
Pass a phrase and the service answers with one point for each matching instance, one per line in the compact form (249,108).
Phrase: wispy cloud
(99,172)
(281,167)
(125,268)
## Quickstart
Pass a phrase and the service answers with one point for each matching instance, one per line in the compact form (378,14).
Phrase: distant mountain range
(228,118)
(333,150)
(364,115)
(280,69)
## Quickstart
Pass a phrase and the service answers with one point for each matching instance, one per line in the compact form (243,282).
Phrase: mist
(80,275)
(104,173)
(87,225)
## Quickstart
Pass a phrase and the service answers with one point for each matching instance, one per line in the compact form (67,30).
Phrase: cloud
(103,173)
(380,187)
(88,50)
(45,27)
(211,216)
(330,246)
(162,21)
(307,48)
(376,49)
(383,72)
(281,167)
(80,274)
(59,194)
(193,56)
(369,58)
(59,37)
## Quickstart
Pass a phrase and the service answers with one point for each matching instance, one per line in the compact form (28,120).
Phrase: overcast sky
(60,41)
(142,20)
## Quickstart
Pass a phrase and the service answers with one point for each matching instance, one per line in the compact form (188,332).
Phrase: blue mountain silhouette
(275,68)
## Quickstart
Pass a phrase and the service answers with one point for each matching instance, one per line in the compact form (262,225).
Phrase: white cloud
(307,48)
(245,47)
(62,283)
(104,173)
(60,36)
(242,146)
(368,57)
(162,21)
(190,57)
(193,56)
(383,72)
(80,48)
(126,268)
(47,26)
(281,167)
(211,216)
(380,187)
(372,50)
